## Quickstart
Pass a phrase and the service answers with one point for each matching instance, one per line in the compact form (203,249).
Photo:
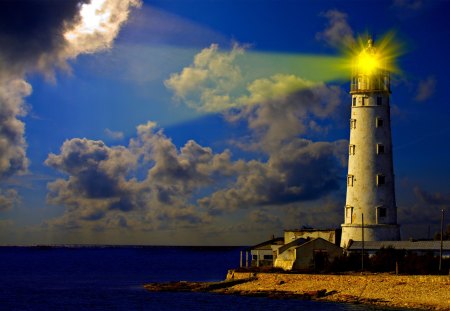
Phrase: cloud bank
(150,184)
(103,191)
(41,36)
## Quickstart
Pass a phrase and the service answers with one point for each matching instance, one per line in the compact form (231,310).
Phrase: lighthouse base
(371,233)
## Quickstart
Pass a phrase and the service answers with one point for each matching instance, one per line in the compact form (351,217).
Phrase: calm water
(111,278)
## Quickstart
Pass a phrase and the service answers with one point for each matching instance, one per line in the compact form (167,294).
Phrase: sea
(112,278)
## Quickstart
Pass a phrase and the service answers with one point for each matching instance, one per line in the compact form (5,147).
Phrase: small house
(263,254)
(307,254)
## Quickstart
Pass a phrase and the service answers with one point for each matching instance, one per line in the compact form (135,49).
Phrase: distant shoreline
(426,292)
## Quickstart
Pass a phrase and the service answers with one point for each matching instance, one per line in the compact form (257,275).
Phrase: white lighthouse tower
(370,204)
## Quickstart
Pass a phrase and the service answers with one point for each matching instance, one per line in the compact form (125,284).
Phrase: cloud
(151,184)
(116,135)
(8,199)
(413,5)
(425,89)
(425,209)
(279,119)
(278,110)
(214,83)
(207,83)
(98,24)
(102,189)
(432,198)
(326,214)
(30,31)
(301,170)
(338,32)
(265,217)
(41,36)
(105,188)
(12,142)
(407,9)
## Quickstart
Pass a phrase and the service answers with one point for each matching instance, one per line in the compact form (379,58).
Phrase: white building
(330,235)
(370,204)
(263,253)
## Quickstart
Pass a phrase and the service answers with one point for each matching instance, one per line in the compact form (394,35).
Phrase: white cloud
(214,83)
(207,83)
(117,135)
(425,89)
(8,199)
(97,27)
(338,32)
(13,158)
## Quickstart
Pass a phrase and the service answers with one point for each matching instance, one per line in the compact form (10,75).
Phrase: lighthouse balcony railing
(380,82)
(362,87)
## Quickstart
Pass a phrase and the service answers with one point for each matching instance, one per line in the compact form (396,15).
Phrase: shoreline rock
(420,292)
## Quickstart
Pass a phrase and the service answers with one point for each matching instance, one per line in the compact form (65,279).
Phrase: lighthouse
(370,211)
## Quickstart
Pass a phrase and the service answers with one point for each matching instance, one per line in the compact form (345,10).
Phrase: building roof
(404,245)
(303,242)
(294,243)
(268,244)
(311,230)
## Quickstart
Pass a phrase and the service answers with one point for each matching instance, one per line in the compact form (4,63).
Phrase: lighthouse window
(380,148)
(352,123)
(379,122)
(351,149)
(354,101)
(381,213)
(349,211)
(363,101)
(379,100)
(380,179)
(350,179)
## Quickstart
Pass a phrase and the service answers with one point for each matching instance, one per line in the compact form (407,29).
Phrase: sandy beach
(428,292)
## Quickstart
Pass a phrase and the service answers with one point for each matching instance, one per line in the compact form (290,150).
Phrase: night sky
(208,122)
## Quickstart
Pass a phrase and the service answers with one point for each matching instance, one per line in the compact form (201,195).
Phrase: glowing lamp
(368,62)
(369,70)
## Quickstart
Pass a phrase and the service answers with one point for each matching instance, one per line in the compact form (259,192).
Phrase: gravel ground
(429,292)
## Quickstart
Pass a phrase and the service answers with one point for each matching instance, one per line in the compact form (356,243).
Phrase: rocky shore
(426,292)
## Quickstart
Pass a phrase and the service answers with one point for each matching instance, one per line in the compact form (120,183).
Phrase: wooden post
(246,259)
(240,261)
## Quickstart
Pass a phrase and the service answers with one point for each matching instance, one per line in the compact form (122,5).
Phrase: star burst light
(368,56)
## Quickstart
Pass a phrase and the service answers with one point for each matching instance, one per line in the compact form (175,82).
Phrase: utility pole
(442,239)
(362,234)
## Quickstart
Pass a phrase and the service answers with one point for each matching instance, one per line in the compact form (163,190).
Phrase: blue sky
(208,122)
